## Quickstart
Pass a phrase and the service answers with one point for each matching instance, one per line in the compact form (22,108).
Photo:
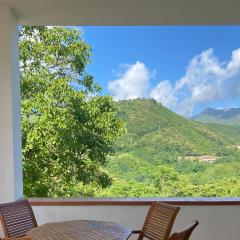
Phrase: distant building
(202,158)
(207,158)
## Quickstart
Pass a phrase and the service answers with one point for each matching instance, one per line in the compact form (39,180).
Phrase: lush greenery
(160,155)
(228,131)
(78,142)
(68,126)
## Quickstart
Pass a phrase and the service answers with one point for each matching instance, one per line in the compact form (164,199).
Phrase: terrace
(218,217)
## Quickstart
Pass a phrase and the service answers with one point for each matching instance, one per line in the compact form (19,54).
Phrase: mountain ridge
(229,116)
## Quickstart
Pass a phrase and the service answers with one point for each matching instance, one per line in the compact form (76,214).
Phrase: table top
(80,230)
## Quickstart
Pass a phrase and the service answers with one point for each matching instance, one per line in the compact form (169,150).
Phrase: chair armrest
(17,238)
(136,231)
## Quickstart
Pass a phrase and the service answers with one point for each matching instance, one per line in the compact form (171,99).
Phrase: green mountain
(155,129)
(163,154)
(230,116)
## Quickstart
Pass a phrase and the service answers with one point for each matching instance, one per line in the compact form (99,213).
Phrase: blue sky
(185,68)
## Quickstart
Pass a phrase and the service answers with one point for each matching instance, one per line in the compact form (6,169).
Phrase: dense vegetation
(228,131)
(68,126)
(75,142)
(160,155)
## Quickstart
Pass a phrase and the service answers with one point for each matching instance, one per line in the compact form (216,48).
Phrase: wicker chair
(159,221)
(17,218)
(186,233)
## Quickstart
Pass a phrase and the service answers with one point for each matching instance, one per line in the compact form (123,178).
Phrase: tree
(68,127)
(166,179)
(129,188)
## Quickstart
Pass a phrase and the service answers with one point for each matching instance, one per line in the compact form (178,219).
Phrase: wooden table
(80,230)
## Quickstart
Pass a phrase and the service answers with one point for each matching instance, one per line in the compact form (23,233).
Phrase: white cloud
(163,93)
(206,79)
(202,83)
(132,83)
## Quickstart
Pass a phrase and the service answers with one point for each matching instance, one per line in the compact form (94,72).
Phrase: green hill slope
(232,133)
(154,128)
(155,155)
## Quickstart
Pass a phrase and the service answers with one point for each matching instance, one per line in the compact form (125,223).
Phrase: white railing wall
(216,222)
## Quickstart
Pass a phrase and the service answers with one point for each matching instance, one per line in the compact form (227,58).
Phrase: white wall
(10,114)
(216,222)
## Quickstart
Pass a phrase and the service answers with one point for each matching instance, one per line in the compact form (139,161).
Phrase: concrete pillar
(10,112)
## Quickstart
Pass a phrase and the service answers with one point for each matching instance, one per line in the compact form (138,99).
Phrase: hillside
(151,126)
(230,116)
(230,132)
(161,155)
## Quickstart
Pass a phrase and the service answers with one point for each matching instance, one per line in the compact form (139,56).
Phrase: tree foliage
(151,158)
(68,126)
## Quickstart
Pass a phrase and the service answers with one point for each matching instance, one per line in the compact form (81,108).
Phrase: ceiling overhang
(126,12)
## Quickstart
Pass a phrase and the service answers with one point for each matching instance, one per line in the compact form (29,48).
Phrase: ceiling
(126,12)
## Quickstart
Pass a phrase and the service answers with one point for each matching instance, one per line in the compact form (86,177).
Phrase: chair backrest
(17,218)
(159,221)
(186,233)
